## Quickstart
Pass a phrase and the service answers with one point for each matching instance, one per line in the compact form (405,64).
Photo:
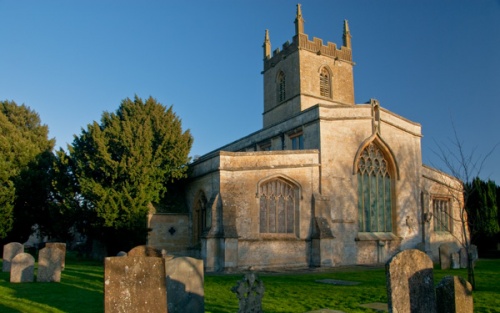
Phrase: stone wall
(170,232)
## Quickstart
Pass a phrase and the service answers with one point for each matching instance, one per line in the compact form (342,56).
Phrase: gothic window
(278,200)
(202,217)
(324,83)
(441,211)
(281,87)
(374,191)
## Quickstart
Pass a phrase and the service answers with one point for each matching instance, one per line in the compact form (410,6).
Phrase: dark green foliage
(121,166)
(482,211)
(25,162)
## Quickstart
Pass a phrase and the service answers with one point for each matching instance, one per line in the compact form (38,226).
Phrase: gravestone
(454,295)
(249,291)
(445,251)
(410,283)
(455,260)
(50,262)
(61,246)
(10,250)
(474,255)
(463,258)
(185,285)
(146,251)
(134,285)
(22,268)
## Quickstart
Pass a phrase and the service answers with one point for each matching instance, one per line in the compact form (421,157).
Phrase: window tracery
(278,200)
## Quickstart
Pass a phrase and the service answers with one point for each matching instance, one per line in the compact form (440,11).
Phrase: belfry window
(324,83)
(441,212)
(374,191)
(278,200)
(281,87)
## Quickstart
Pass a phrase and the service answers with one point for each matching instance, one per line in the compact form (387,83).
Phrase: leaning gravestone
(445,251)
(185,285)
(50,261)
(22,268)
(145,251)
(10,250)
(61,246)
(249,291)
(134,285)
(410,283)
(454,295)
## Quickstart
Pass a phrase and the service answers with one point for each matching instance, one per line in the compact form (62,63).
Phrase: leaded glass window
(281,87)
(441,213)
(374,191)
(278,200)
(324,83)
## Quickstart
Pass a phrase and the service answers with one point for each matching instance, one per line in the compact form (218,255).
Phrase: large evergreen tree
(482,211)
(122,165)
(25,159)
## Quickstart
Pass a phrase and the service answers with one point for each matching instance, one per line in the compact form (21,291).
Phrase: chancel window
(324,83)
(374,191)
(441,212)
(278,200)
(281,87)
(202,217)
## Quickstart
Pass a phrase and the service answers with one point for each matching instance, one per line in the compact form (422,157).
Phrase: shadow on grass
(80,290)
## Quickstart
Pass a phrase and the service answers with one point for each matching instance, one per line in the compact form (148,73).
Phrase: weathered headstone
(10,250)
(145,251)
(249,291)
(50,262)
(454,295)
(410,283)
(463,257)
(61,246)
(455,260)
(185,291)
(22,268)
(122,253)
(474,254)
(445,251)
(134,285)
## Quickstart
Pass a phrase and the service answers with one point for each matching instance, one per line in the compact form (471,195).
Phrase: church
(326,182)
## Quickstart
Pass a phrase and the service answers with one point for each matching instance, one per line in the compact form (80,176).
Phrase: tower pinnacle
(267,46)
(299,21)
(347,35)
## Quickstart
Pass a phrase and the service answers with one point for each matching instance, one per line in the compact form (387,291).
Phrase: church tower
(305,73)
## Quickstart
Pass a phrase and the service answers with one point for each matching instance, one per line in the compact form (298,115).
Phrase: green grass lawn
(81,290)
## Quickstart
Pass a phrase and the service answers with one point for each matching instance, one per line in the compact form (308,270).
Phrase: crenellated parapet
(301,41)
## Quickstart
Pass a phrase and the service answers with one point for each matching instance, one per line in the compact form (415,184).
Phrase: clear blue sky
(432,62)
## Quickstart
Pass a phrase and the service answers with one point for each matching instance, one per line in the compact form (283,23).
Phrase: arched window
(374,191)
(281,87)
(278,200)
(201,216)
(324,83)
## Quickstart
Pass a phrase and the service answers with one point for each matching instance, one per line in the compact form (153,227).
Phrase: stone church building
(325,182)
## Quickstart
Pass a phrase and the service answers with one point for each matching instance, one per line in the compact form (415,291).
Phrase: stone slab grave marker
(445,251)
(10,250)
(22,268)
(249,291)
(61,246)
(146,251)
(454,295)
(50,262)
(185,291)
(410,283)
(134,285)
